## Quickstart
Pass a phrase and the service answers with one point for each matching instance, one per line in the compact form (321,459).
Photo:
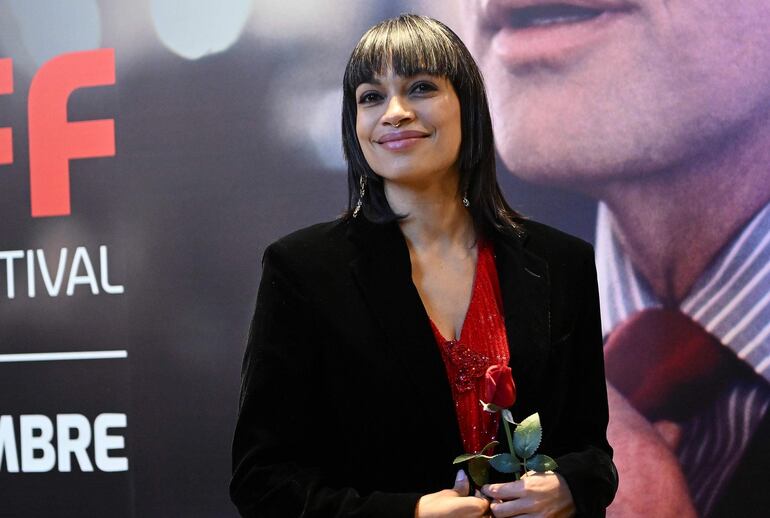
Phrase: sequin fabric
(482,343)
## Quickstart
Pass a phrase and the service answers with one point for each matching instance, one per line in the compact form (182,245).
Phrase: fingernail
(460,475)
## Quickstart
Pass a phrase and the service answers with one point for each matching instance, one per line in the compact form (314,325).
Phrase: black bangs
(409,45)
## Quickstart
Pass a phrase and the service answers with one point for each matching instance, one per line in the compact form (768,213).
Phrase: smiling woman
(377,328)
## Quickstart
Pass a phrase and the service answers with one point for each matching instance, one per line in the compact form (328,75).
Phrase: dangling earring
(466,203)
(362,184)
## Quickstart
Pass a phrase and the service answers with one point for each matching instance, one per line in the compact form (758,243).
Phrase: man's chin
(585,172)
(562,175)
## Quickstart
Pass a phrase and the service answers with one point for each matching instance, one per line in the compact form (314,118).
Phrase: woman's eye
(422,88)
(368,97)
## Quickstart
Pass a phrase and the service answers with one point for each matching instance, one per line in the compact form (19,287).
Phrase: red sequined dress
(482,343)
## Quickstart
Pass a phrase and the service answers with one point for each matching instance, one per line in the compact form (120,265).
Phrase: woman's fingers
(462,486)
(516,507)
(448,503)
(505,491)
(536,493)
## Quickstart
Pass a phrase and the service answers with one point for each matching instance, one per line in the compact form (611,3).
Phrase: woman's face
(409,128)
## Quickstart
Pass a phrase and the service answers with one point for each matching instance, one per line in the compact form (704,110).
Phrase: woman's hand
(453,502)
(536,494)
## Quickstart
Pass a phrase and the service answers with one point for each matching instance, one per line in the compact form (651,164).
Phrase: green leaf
(527,436)
(464,457)
(508,417)
(479,470)
(488,446)
(469,456)
(504,463)
(541,463)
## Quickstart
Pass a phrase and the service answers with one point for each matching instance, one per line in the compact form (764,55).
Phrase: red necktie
(666,364)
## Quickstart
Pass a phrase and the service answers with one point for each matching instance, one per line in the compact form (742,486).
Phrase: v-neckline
(459,335)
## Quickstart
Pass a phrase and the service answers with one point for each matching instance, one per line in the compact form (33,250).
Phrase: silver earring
(466,203)
(362,185)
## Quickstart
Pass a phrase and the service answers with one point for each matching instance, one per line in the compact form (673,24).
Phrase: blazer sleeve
(276,466)
(588,468)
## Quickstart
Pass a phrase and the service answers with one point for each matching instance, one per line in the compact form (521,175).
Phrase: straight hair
(409,45)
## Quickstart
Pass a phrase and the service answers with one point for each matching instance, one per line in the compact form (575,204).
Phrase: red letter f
(53,141)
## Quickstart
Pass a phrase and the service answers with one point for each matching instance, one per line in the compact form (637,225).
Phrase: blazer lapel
(525,288)
(382,271)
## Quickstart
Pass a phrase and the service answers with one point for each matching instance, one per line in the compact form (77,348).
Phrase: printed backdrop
(149,152)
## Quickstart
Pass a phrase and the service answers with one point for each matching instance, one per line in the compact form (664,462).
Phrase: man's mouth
(549,14)
(522,32)
(525,14)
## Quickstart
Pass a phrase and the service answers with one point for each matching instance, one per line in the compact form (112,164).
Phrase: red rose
(499,388)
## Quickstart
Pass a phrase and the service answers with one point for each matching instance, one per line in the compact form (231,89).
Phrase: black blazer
(345,406)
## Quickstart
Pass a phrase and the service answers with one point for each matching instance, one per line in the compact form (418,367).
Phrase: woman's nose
(397,112)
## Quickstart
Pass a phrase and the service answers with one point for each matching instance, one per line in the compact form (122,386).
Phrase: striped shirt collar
(731,299)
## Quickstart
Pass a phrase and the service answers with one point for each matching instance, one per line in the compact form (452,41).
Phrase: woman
(353,400)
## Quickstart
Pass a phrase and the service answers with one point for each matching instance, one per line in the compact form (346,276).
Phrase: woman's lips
(400,140)
(526,31)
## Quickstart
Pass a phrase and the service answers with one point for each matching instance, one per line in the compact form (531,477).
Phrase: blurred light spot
(325,131)
(310,124)
(302,19)
(196,28)
(52,27)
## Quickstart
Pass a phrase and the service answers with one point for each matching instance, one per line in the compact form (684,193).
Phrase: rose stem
(510,441)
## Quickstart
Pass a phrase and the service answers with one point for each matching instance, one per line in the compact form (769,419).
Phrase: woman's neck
(436,218)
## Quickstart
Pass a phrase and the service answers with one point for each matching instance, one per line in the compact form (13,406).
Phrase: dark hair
(412,44)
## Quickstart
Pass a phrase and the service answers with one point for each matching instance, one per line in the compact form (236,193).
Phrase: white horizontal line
(76,355)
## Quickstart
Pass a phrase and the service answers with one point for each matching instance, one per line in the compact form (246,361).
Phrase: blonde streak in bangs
(370,56)
(434,42)
(380,51)
(403,49)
